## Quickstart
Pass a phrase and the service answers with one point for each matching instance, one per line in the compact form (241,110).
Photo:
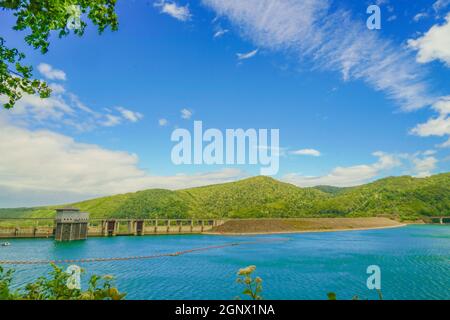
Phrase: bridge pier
(139,227)
(130,229)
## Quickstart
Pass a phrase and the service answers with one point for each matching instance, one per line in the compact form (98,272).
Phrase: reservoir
(414,262)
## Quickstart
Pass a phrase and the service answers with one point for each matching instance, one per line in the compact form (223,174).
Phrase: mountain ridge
(401,197)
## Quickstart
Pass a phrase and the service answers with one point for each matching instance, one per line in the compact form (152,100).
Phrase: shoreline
(302,231)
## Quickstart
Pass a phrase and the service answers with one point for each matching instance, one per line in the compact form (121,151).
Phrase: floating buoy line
(156,256)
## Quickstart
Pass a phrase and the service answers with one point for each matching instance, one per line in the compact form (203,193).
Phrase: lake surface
(414,260)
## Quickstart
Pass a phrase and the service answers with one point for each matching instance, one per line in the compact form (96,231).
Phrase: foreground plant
(59,286)
(253,287)
(333,297)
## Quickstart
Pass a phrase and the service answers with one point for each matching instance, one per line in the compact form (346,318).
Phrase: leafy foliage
(403,198)
(154,204)
(55,288)
(14,83)
(333,297)
(330,189)
(41,17)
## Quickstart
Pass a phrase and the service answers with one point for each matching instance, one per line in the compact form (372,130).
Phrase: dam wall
(46,228)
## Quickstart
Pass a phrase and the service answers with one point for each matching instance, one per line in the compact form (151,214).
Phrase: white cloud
(186,114)
(55,168)
(443,105)
(434,44)
(439,126)
(436,126)
(181,13)
(348,176)
(424,167)
(50,73)
(248,55)
(163,122)
(129,115)
(332,40)
(307,152)
(57,88)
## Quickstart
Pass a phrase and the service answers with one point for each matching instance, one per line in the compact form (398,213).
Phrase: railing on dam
(45,227)
(440,220)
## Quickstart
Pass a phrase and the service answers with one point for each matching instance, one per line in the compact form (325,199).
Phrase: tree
(42,17)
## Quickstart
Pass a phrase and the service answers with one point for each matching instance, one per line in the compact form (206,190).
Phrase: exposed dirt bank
(269,226)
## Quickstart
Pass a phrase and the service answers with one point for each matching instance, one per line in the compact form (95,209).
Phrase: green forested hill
(401,197)
(331,190)
(255,197)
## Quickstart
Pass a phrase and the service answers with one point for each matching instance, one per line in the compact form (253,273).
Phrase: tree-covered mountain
(263,197)
(395,196)
(330,189)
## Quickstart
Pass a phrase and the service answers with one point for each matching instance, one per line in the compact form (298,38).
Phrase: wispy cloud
(51,73)
(419,164)
(163,122)
(248,55)
(129,115)
(186,114)
(174,10)
(348,176)
(64,108)
(307,152)
(111,120)
(392,18)
(446,144)
(420,16)
(220,32)
(57,88)
(332,40)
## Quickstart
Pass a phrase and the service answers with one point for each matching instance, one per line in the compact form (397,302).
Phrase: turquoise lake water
(414,261)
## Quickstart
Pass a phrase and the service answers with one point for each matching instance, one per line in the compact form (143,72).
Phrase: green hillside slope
(252,198)
(263,197)
(395,196)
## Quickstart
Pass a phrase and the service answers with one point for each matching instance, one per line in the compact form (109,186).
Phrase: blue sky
(352,104)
